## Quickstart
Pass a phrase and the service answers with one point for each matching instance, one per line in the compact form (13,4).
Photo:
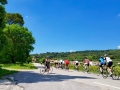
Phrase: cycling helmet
(105,55)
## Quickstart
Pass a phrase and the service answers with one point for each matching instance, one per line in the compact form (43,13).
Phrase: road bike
(99,70)
(115,74)
(45,69)
(76,68)
(66,67)
(86,68)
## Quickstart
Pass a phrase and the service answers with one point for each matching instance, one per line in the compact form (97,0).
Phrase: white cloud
(118,47)
(72,50)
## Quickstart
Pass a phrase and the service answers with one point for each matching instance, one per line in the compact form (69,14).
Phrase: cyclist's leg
(46,66)
(76,65)
(67,65)
(101,68)
(87,67)
(109,67)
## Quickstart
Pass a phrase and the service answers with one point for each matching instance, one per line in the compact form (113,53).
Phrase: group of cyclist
(62,63)
(103,60)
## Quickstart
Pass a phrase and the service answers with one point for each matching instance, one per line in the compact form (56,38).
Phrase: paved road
(64,80)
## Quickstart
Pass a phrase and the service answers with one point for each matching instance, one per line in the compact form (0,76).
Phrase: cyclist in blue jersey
(101,63)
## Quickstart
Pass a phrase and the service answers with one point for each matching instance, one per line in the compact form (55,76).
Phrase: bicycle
(66,67)
(86,68)
(76,68)
(99,71)
(115,73)
(45,69)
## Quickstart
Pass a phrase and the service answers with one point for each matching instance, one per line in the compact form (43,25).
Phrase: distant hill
(93,55)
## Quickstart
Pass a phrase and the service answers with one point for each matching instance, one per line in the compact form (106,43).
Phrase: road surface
(64,80)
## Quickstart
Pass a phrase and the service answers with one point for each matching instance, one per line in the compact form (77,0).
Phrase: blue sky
(70,25)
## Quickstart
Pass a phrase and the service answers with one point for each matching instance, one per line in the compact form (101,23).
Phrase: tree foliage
(14,18)
(2,17)
(20,43)
(92,55)
(15,40)
(2,24)
(3,2)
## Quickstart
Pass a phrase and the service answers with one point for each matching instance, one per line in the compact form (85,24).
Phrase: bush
(19,66)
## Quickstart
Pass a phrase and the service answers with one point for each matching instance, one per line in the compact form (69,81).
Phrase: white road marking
(107,85)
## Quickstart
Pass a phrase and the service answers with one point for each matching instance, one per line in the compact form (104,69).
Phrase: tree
(14,18)
(20,42)
(3,2)
(2,23)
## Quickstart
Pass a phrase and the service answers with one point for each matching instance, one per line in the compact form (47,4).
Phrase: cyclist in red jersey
(66,62)
(86,62)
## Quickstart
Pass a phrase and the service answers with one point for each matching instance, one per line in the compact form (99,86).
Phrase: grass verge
(18,66)
(4,72)
(94,69)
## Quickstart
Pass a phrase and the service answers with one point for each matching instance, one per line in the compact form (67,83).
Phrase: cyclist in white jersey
(76,63)
(109,63)
(61,61)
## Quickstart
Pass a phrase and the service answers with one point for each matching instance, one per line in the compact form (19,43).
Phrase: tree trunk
(13,59)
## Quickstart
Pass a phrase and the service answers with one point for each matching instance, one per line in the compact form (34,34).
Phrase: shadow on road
(32,77)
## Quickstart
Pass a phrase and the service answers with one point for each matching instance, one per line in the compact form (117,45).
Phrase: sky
(70,25)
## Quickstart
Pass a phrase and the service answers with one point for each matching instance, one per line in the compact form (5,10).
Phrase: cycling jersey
(101,60)
(61,61)
(86,61)
(108,59)
(76,61)
(66,62)
(47,63)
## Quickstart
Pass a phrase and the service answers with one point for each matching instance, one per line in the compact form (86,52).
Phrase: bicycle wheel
(105,73)
(98,71)
(50,70)
(83,69)
(115,75)
(42,70)
(67,68)
(77,68)
(87,69)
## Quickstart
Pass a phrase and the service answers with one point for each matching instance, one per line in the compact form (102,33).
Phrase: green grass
(94,69)
(4,72)
(18,66)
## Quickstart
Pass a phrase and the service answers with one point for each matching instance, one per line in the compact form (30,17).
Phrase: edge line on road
(107,85)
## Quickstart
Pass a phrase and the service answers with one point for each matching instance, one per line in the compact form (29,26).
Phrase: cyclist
(56,63)
(47,63)
(63,64)
(86,63)
(109,63)
(61,61)
(66,63)
(76,63)
(101,63)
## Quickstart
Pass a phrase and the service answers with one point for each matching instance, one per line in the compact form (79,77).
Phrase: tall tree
(3,2)
(20,42)
(14,18)
(2,22)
